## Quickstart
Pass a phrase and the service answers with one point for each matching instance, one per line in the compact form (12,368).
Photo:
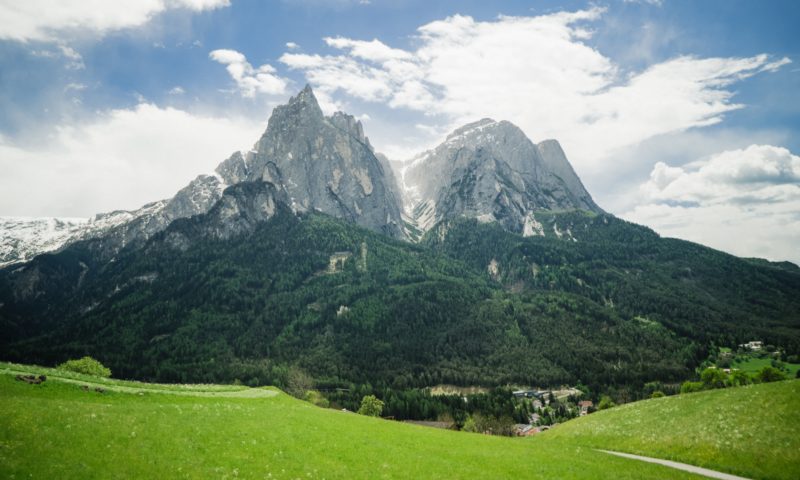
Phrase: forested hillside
(611,304)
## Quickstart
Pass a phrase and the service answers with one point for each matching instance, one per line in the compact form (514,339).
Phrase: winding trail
(677,465)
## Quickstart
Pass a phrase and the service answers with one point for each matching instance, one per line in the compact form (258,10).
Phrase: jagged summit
(325,164)
(471,128)
(491,171)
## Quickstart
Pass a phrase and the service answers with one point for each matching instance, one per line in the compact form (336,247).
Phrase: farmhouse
(585,406)
(753,345)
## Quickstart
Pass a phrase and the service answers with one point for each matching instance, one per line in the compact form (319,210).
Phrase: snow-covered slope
(21,238)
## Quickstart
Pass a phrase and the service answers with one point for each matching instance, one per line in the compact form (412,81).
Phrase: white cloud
(45,20)
(75,86)
(292,46)
(744,201)
(178,90)
(537,72)
(121,160)
(75,58)
(250,80)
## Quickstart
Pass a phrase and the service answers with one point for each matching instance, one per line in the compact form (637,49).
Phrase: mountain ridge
(327,163)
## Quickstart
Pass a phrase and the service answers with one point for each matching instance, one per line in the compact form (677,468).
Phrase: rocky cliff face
(326,164)
(491,171)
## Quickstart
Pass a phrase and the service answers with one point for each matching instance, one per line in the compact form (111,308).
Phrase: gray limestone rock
(491,171)
(326,164)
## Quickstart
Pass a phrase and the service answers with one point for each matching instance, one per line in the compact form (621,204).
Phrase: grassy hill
(60,429)
(750,431)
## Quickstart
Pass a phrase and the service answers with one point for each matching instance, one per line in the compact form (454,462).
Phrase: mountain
(321,163)
(491,171)
(325,164)
(295,255)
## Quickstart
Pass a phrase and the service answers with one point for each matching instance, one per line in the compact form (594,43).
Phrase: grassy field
(753,431)
(60,430)
(752,365)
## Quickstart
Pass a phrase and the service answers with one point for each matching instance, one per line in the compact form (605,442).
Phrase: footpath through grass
(59,430)
(752,431)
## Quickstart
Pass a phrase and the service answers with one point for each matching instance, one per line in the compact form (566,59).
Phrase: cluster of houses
(753,345)
(539,401)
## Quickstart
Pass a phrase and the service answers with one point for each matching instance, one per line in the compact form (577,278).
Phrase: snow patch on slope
(21,238)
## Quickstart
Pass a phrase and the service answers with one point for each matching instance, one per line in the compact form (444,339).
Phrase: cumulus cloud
(45,20)
(538,72)
(744,201)
(120,160)
(249,80)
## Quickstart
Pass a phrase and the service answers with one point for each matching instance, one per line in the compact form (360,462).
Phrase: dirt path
(677,465)
(243,393)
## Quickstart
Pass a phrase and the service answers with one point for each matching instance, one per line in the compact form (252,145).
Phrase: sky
(679,115)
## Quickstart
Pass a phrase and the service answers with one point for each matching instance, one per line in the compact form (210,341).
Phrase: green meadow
(752,364)
(752,431)
(65,428)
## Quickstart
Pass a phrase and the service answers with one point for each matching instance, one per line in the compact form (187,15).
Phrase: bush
(371,406)
(657,394)
(713,377)
(87,366)
(770,374)
(469,425)
(298,382)
(605,402)
(315,397)
(689,387)
(738,378)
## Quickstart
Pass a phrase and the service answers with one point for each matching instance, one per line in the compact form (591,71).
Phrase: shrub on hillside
(87,366)
(315,397)
(689,387)
(738,378)
(714,377)
(371,406)
(770,374)
(605,402)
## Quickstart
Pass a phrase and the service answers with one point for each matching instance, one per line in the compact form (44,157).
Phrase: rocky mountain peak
(350,125)
(492,171)
(302,110)
(325,164)
(471,128)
